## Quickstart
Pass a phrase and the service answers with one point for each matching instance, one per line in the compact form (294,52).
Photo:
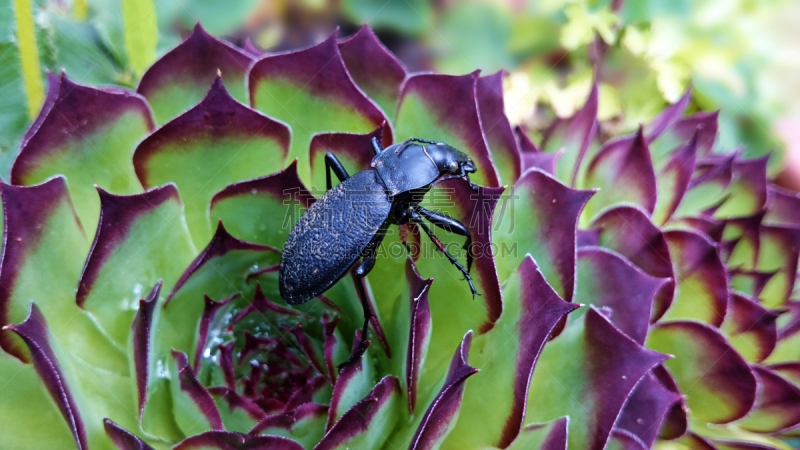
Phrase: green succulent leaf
(180,79)
(648,407)
(374,68)
(87,135)
(445,108)
(545,436)
(706,369)
(263,210)
(531,311)
(443,411)
(774,408)
(574,137)
(499,135)
(750,328)
(607,280)
(141,239)
(368,421)
(540,215)
(628,231)
(312,92)
(574,374)
(222,140)
(701,285)
(623,172)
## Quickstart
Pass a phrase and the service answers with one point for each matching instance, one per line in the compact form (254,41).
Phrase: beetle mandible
(348,223)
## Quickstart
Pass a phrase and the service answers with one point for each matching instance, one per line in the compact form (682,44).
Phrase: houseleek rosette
(635,291)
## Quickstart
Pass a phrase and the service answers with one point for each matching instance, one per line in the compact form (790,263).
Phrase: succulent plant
(635,291)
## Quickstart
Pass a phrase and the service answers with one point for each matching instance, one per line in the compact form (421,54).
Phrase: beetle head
(450,160)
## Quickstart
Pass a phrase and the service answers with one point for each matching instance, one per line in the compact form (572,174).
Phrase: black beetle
(348,223)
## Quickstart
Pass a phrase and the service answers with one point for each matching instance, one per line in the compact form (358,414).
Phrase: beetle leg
(472,185)
(450,225)
(359,273)
(366,266)
(333,163)
(376,145)
(441,247)
(363,343)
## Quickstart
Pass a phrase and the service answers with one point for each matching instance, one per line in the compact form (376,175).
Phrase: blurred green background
(738,56)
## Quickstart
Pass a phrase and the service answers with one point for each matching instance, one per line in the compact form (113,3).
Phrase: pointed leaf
(678,132)
(788,336)
(544,436)
(263,210)
(606,280)
(506,357)
(34,332)
(192,398)
(573,135)
(306,424)
(624,173)
(227,440)
(750,328)
(354,151)
(676,421)
(718,384)
(701,291)
(180,78)
(219,271)
(531,156)
(211,309)
(668,117)
(311,90)
(43,236)
(748,189)
(445,108)
(673,180)
(367,423)
(474,210)
(26,406)
(123,438)
(443,411)
(778,253)
(646,409)
(419,331)
(708,187)
(87,135)
(499,135)
(749,282)
(140,240)
(625,440)
(141,333)
(540,215)
(353,383)
(783,207)
(238,413)
(217,142)
(628,231)
(374,68)
(777,405)
(588,371)
(741,241)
